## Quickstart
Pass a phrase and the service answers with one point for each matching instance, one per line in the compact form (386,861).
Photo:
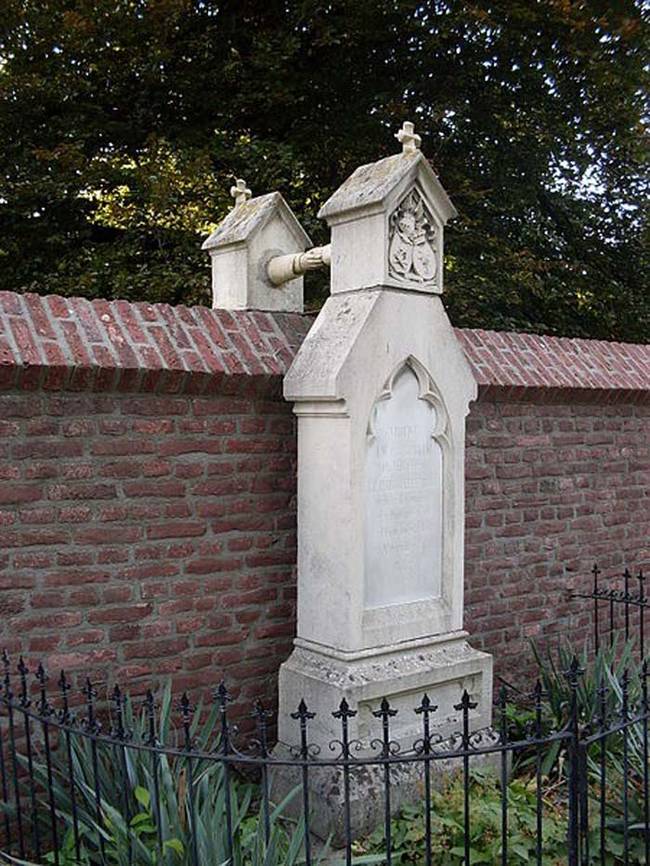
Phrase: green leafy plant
(160,809)
(607,668)
(604,670)
(157,809)
(599,699)
(448,825)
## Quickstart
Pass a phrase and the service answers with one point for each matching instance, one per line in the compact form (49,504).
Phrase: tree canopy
(124,122)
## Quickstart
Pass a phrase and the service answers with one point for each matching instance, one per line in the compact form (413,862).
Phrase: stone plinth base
(367,784)
(443,668)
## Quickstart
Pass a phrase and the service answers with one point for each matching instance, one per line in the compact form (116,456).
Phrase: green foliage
(605,670)
(448,827)
(124,122)
(150,814)
(150,811)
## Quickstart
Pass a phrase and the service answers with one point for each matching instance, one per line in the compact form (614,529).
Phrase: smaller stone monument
(381,389)
(255,232)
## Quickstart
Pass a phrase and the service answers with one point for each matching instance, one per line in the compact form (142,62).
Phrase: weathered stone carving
(240,192)
(281,269)
(412,234)
(408,137)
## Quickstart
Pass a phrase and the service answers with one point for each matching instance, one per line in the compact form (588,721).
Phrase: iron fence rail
(615,596)
(73,778)
(45,794)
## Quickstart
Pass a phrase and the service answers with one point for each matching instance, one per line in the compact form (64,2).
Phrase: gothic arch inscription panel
(403,497)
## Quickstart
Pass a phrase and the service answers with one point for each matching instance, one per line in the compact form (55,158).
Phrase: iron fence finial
(466,703)
(44,707)
(344,712)
(303,712)
(23,671)
(426,706)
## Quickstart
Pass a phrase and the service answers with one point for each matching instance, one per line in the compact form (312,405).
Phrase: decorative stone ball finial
(240,192)
(408,138)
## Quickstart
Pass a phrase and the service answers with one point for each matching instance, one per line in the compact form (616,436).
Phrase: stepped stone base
(443,668)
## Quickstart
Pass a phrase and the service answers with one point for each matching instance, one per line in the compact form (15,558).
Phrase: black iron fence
(626,593)
(560,778)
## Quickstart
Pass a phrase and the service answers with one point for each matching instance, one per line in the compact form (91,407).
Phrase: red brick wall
(151,536)
(144,536)
(551,488)
(147,485)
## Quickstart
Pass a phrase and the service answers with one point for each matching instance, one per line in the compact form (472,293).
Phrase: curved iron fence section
(160,782)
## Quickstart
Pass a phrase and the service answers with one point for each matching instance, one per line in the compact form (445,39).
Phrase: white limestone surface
(403,497)
(255,231)
(345,373)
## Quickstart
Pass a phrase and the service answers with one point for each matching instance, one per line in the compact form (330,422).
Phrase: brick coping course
(76,344)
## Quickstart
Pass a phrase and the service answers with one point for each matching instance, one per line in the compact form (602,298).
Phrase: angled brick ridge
(514,365)
(75,344)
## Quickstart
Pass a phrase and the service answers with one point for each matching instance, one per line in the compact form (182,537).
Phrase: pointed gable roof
(243,221)
(372,184)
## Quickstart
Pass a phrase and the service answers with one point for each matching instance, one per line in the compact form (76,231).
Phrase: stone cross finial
(240,192)
(408,138)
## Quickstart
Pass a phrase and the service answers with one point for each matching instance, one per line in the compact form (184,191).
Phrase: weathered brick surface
(550,490)
(75,344)
(510,366)
(72,343)
(150,537)
(147,488)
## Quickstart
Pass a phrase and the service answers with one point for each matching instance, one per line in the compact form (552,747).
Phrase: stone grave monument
(254,233)
(259,255)
(381,389)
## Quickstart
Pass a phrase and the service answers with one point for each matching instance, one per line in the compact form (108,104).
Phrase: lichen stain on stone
(369,183)
(242,220)
(245,213)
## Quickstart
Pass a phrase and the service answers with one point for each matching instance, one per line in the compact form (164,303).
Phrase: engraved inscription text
(403,510)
